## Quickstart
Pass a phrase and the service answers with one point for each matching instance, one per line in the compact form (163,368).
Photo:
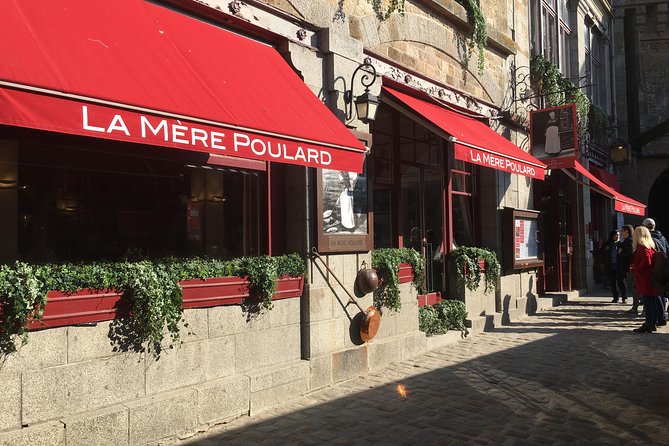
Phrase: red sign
(52,113)
(629,208)
(496,161)
(554,135)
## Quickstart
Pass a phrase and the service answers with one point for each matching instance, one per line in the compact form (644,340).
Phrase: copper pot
(367,280)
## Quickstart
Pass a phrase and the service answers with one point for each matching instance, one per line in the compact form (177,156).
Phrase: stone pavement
(572,375)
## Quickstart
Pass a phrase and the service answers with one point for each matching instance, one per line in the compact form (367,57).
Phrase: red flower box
(429,299)
(405,273)
(87,306)
(84,306)
(232,290)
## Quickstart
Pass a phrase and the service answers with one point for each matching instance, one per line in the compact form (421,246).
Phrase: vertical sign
(554,135)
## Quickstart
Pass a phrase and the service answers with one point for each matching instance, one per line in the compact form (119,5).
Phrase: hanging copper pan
(371,318)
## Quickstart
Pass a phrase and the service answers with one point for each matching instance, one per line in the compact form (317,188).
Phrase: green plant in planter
(468,271)
(151,294)
(386,262)
(443,316)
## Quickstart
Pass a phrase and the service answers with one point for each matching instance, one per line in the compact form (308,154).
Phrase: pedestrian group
(637,268)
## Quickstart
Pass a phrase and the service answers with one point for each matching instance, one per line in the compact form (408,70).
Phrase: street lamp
(365,104)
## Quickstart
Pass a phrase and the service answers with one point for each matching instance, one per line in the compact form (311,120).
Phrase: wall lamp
(365,104)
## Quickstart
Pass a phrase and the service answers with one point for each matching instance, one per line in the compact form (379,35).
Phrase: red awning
(621,202)
(474,141)
(131,70)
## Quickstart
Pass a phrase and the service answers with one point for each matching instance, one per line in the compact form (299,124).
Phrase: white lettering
(277,152)
(257,142)
(216,139)
(299,154)
(325,155)
(178,132)
(118,124)
(162,126)
(312,154)
(84,111)
(285,153)
(238,137)
(199,135)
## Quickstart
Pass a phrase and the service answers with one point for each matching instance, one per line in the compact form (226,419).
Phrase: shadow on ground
(547,384)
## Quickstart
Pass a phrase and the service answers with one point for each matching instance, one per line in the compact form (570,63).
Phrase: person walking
(610,250)
(644,247)
(625,255)
(661,244)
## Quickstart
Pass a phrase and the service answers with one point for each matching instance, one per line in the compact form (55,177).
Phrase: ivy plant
(443,316)
(468,271)
(381,12)
(386,262)
(549,82)
(479,34)
(151,294)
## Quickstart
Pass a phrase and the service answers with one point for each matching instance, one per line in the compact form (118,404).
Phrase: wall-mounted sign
(344,218)
(520,233)
(554,135)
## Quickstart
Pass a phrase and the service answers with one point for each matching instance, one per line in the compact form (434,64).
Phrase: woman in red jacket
(644,247)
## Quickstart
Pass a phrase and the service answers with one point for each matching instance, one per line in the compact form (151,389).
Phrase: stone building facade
(642,102)
(229,366)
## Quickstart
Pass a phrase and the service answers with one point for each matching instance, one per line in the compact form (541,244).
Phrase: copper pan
(371,317)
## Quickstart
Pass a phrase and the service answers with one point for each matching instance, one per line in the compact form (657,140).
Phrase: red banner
(497,161)
(44,112)
(629,208)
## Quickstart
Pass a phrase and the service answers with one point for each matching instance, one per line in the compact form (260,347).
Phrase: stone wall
(331,325)
(70,384)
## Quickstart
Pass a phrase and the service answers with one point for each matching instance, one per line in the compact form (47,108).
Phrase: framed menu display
(344,216)
(522,248)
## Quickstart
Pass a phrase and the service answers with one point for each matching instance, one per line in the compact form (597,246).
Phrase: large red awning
(474,141)
(131,70)
(621,202)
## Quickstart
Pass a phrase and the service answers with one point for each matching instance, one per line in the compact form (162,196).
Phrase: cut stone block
(46,434)
(162,416)
(222,399)
(103,427)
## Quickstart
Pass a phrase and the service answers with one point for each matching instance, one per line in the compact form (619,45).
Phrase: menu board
(521,239)
(525,240)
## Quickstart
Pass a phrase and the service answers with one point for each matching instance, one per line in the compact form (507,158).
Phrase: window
(594,72)
(77,205)
(550,31)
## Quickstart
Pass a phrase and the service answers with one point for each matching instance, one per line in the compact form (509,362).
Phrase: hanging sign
(554,135)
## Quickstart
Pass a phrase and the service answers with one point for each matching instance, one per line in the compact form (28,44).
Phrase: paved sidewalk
(572,375)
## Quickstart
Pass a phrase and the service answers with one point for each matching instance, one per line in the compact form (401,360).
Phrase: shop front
(160,149)
(429,158)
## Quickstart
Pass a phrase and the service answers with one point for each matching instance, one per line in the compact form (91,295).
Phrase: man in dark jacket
(660,242)
(660,245)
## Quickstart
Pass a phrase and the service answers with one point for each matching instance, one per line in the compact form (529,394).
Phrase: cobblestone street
(573,375)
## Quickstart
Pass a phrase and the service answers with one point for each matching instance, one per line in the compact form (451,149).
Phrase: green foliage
(549,82)
(150,290)
(377,5)
(443,316)
(479,35)
(600,126)
(468,270)
(386,262)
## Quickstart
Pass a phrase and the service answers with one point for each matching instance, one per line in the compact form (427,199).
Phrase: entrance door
(422,210)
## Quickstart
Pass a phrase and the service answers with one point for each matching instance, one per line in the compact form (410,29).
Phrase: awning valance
(474,142)
(132,70)
(621,202)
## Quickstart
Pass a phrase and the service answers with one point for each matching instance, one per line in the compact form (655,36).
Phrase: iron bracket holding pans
(371,317)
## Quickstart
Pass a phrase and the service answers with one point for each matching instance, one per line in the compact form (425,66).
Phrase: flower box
(429,299)
(405,273)
(84,306)
(89,306)
(232,290)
